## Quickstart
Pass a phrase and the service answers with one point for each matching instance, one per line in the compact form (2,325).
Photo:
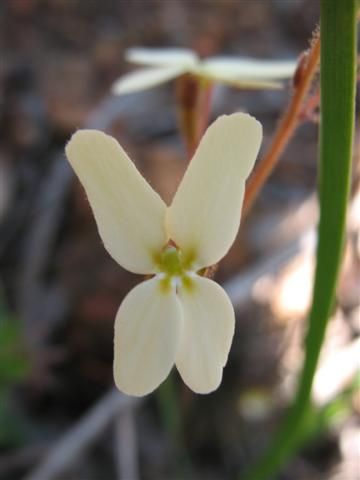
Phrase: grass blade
(338,62)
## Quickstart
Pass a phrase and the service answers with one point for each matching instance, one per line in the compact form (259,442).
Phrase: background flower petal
(145,78)
(161,56)
(208,329)
(249,69)
(147,332)
(128,212)
(204,216)
(245,84)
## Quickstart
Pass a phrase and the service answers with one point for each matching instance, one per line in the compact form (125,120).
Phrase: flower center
(171,261)
(176,269)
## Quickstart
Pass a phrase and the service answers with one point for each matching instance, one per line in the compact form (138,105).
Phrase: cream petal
(249,69)
(147,332)
(247,84)
(128,212)
(161,56)
(208,329)
(145,78)
(204,216)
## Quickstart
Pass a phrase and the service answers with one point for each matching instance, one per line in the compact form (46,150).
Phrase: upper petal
(238,82)
(249,69)
(144,78)
(204,216)
(147,331)
(128,213)
(208,329)
(161,56)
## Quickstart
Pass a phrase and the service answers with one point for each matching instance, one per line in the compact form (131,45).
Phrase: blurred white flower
(178,316)
(162,65)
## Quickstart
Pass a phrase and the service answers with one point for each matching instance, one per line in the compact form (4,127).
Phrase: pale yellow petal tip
(241,120)
(206,389)
(241,123)
(244,123)
(87,134)
(83,136)
(129,384)
(128,389)
(84,139)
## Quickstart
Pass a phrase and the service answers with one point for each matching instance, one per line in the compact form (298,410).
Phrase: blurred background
(60,417)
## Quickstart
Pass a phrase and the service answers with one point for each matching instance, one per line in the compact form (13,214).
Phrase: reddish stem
(204,110)
(187,93)
(302,81)
(194,96)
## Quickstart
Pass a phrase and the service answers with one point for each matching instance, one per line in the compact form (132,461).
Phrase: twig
(126,449)
(81,435)
(307,67)
(41,305)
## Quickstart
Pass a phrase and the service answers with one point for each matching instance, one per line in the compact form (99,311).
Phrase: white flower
(178,316)
(162,65)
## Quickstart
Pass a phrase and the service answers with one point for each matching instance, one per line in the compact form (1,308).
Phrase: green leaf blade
(338,69)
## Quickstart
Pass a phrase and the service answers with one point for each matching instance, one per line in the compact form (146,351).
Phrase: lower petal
(145,78)
(147,331)
(208,329)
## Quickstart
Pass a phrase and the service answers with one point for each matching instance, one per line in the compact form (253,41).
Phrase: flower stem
(194,96)
(307,67)
(187,93)
(204,109)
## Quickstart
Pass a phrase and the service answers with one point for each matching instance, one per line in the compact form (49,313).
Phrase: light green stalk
(338,62)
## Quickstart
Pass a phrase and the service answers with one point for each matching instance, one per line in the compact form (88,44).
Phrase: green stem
(167,398)
(338,62)
(168,401)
